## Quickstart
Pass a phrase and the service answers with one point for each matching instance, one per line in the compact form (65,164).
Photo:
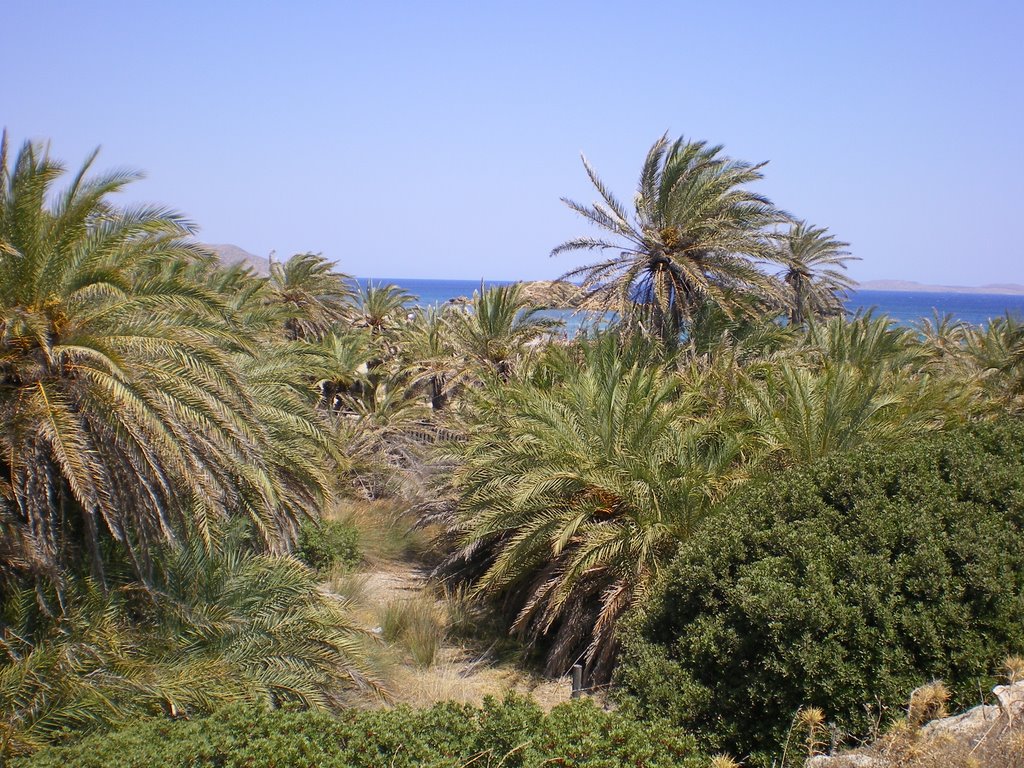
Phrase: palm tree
(426,345)
(215,627)
(943,335)
(381,308)
(347,355)
(695,237)
(867,342)
(126,413)
(843,384)
(799,415)
(812,259)
(496,327)
(310,295)
(996,353)
(578,493)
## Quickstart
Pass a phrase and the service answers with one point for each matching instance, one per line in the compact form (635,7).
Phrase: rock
(964,725)
(552,294)
(844,761)
(1011,698)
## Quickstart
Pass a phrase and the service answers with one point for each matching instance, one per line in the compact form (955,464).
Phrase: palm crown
(127,414)
(813,259)
(696,235)
(309,293)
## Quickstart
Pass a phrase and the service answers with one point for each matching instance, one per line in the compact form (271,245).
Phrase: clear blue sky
(433,139)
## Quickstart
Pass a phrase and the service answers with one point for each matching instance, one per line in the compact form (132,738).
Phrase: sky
(435,139)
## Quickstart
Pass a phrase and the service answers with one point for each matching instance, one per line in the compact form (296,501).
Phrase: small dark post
(577,680)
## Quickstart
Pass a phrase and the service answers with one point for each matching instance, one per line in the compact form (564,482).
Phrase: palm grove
(170,426)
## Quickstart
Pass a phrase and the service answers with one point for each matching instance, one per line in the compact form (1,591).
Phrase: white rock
(965,724)
(1011,698)
(844,761)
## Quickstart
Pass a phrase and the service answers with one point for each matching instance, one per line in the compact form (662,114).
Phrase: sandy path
(458,673)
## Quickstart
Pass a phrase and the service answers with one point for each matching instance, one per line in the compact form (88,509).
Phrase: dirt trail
(394,581)
(458,673)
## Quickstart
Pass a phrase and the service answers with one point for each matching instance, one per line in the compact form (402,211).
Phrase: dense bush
(514,733)
(327,543)
(844,586)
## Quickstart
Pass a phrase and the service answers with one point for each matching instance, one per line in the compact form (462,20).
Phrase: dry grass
(387,530)
(416,624)
(441,643)
(352,586)
(984,737)
(928,703)
(459,676)
(1013,667)
(907,747)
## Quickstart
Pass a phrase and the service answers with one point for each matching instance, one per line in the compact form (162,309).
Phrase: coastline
(910,286)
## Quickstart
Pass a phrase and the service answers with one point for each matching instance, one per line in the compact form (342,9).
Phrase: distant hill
(230,255)
(912,287)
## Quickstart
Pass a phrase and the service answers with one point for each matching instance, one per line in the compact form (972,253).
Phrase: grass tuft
(416,624)
(1014,669)
(927,703)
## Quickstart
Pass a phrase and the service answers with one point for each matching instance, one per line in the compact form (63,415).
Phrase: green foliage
(581,490)
(696,236)
(843,586)
(326,544)
(514,733)
(214,628)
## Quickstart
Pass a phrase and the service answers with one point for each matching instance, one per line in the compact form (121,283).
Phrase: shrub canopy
(515,733)
(843,585)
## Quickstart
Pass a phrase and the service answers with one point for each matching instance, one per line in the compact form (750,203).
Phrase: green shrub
(514,733)
(328,543)
(844,587)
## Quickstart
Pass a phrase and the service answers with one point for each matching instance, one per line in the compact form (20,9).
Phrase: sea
(904,307)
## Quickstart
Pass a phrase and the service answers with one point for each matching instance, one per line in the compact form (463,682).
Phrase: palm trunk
(438,398)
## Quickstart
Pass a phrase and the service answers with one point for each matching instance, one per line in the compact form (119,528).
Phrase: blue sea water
(910,307)
(902,306)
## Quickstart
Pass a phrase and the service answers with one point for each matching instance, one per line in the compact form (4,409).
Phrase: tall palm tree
(309,293)
(695,236)
(126,414)
(813,259)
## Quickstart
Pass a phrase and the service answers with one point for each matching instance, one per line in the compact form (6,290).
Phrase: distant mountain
(230,255)
(910,286)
